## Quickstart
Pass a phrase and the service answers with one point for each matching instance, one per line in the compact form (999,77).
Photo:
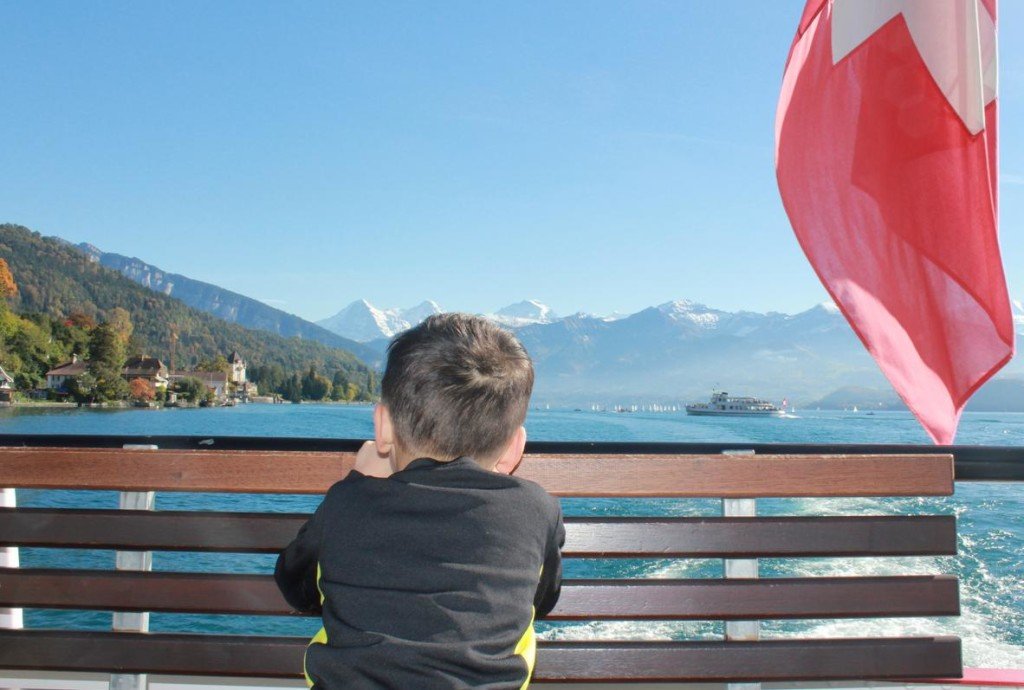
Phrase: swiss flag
(885,149)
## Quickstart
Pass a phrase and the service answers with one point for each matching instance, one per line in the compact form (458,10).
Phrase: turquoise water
(991,515)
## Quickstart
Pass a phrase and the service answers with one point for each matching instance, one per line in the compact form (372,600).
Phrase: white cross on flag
(885,150)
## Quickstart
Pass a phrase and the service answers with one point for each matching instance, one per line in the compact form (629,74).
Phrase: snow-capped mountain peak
(694,312)
(524,313)
(362,321)
(421,311)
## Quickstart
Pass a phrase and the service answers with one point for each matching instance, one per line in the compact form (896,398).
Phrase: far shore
(127,405)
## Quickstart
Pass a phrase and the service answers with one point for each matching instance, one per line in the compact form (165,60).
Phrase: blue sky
(598,156)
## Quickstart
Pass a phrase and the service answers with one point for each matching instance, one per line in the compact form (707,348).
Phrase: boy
(428,561)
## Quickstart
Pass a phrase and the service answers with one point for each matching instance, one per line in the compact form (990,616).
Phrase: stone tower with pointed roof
(237,368)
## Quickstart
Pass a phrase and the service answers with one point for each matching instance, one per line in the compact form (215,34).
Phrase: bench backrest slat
(563,475)
(851,659)
(867,535)
(660,599)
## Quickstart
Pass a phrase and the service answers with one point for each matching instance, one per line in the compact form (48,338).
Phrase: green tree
(314,386)
(106,362)
(270,378)
(72,339)
(28,380)
(338,393)
(293,389)
(191,389)
(218,363)
(84,388)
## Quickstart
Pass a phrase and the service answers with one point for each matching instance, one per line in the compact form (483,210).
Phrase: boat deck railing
(558,466)
(972,463)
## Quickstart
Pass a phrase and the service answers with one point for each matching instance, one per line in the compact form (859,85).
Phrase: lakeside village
(147,382)
(150,383)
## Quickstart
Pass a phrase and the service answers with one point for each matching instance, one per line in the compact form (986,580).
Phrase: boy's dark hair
(456,385)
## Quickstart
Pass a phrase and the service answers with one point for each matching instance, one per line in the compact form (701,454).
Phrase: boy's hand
(371,463)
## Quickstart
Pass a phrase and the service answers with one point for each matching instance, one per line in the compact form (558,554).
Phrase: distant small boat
(723,405)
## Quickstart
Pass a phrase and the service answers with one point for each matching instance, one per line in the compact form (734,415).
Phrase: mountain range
(673,352)
(366,323)
(679,351)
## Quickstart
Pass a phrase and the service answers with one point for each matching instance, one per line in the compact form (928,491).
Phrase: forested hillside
(224,304)
(59,281)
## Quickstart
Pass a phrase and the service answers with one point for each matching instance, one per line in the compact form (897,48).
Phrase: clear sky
(597,156)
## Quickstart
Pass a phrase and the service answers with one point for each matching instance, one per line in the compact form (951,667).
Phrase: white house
(58,377)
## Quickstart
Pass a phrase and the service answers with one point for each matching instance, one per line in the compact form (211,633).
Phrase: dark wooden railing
(973,463)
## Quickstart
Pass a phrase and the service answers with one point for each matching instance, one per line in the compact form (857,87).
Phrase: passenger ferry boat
(723,405)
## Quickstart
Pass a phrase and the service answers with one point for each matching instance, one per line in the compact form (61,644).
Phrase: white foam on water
(990,602)
(981,647)
(633,630)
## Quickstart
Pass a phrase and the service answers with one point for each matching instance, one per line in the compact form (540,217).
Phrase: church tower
(237,368)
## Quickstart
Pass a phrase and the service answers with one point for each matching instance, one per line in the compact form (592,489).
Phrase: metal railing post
(741,568)
(10,618)
(133,621)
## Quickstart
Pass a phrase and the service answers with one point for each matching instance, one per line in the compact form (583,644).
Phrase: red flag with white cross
(885,150)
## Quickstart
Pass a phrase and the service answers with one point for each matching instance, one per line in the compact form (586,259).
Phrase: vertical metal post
(133,621)
(741,568)
(10,618)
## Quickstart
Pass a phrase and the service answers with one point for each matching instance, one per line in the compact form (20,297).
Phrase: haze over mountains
(678,351)
(673,352)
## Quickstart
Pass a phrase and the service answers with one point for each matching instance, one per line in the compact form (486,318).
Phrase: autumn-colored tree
(142,390)
(121,323)
(78,319)
(8,288)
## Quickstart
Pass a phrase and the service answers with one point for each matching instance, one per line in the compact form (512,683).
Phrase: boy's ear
(383,430)
(512,457)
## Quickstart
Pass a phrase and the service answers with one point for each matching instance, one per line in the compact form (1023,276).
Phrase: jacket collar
(427,464)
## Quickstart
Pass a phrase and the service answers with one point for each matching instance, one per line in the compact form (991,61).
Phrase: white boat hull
(735,413)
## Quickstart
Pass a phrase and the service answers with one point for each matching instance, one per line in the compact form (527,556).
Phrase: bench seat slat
(829,659)
(563,475)
(928,535)
(660,599)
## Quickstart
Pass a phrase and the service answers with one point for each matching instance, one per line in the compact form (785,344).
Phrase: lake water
(990,516)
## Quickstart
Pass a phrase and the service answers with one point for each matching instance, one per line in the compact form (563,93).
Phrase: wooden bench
(740,598)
